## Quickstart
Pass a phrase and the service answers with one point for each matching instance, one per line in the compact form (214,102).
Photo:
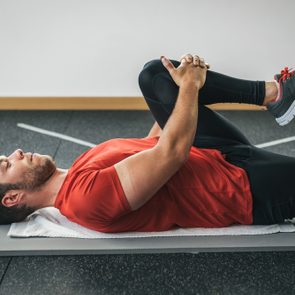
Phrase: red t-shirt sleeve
(103,196)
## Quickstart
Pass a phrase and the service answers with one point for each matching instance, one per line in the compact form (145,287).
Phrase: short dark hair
(15,213)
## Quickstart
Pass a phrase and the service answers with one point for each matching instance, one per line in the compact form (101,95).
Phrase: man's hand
(192,69)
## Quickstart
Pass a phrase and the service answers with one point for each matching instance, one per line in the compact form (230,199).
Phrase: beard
(35,177)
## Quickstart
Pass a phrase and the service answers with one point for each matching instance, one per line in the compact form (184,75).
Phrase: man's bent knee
(149,71)
(145,78)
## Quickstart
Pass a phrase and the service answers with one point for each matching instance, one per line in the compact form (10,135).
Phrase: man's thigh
(271,177)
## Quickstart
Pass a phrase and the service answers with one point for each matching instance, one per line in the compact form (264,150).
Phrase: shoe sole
(288,116)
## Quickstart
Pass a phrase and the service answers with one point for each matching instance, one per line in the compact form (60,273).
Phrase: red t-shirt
(207,191)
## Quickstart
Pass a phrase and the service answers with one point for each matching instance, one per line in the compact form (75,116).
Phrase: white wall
(98,47)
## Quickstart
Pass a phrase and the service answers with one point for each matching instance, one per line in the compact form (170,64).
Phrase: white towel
(49,222)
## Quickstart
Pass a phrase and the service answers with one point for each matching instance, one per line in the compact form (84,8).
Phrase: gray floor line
(90,144)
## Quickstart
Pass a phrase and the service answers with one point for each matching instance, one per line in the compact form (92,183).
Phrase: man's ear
(12,198)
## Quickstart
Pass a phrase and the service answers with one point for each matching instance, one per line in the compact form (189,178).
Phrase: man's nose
(19,153)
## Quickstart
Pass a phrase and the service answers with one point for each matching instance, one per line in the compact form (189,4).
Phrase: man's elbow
(178,155)
(181,154)
(183,157)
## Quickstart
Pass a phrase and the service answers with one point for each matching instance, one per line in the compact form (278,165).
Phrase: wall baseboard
(97,103)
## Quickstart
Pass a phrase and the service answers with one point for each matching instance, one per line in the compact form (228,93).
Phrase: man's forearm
(180,129)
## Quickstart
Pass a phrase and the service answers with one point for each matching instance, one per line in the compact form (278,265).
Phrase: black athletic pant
(271,175)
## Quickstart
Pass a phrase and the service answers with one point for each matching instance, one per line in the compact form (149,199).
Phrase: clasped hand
(192,69)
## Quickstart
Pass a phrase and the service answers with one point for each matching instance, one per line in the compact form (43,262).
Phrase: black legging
(271,175)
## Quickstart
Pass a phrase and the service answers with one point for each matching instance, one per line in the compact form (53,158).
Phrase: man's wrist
(190,84)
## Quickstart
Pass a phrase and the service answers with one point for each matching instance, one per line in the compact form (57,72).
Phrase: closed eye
(7,165)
